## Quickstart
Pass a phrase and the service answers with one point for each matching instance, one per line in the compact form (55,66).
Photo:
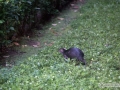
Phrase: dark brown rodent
(73,53)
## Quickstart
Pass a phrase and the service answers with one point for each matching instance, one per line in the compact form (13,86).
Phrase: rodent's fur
(73,53)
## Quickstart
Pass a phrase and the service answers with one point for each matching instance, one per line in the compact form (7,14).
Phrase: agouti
(73,53)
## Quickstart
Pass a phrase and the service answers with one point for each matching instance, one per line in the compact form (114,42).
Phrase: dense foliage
(19,17)
(96,32)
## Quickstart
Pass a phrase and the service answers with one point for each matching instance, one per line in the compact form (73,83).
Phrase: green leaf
(1,21)
(12,28)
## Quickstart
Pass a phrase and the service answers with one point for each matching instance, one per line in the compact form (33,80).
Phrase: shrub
(19,17)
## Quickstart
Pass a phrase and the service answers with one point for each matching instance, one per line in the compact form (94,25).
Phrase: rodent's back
(73,53)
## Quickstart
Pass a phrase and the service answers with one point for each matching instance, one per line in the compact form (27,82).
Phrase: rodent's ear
(64,48)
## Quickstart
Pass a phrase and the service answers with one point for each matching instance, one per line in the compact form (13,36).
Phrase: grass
(94,29)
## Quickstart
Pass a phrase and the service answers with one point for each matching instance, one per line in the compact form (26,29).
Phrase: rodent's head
(62,50)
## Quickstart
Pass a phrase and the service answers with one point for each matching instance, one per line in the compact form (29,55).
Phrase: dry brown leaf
(50,44)
(12,44)
(15,43)
(50,28)
(6,56)
(54,32)
(24,46)
(45,43)
(75,10)
(35,45)
(75,7)
(8,65)
(60,18)
(72,5)
(54,24)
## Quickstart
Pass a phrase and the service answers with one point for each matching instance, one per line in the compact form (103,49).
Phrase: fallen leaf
(24,46)
(6,56)
(8,65)
(28,37)
(12,44)
(72,5)
(22,52)
(80,14)
(81,0)
(60,18)
(15,43)
(75,10)
(54,24)
(54,32)
(50,44)
(75,7)
(50,28)
(62,28)
(45,43)
(35,45)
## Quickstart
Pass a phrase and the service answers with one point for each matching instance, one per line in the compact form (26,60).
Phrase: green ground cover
(95,28)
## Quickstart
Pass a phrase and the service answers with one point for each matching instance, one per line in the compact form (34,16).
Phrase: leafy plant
(19,17)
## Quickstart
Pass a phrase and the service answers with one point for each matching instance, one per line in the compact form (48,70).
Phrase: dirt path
(41,38)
